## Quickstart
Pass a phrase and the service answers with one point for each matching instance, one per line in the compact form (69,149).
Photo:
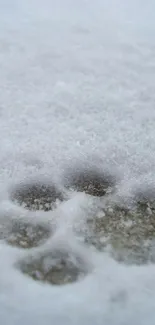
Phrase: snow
(76,84)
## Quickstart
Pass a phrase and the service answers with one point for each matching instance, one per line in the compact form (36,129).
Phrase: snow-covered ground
(77,82)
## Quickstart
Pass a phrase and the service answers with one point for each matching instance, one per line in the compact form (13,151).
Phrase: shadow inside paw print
(27,235)
(37,196)
(90,181)
(56,267)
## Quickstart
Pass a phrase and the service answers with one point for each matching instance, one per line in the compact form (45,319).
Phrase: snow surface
(76,84)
